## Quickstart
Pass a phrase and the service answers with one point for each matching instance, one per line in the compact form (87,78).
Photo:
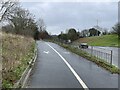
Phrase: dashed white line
(72,70)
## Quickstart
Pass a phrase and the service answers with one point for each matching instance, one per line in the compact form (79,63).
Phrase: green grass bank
(104,40)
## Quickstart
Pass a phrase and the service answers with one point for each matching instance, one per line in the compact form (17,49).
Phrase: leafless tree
(41,25)
(21,19)
(7,8)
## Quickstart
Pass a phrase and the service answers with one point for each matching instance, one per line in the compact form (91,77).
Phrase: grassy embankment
(17,51)
(105,40)
(0,60)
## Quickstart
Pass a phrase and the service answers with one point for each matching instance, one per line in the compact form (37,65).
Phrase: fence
(100,54)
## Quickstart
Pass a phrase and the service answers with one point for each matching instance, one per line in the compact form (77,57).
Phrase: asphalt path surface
(56,67)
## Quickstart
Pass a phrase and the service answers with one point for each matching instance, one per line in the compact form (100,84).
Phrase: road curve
(51,71)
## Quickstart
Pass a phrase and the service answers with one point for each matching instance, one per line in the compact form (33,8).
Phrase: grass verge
(102,63)
(17,51)
(104,40)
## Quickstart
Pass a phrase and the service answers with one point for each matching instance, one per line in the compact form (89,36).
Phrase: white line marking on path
(66,52)
(47,52)
(72,70)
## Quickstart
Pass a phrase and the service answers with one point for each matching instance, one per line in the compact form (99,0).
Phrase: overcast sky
(59,16)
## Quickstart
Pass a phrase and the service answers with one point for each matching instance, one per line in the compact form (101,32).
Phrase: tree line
(73,35)
(41,33)
(18,20)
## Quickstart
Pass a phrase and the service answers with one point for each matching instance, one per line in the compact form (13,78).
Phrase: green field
(105,40)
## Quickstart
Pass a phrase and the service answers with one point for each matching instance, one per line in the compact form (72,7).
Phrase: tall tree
(116,29)
(21,19)
(44,35)
(63,37)
(36,35)
(7,8)
(72,34)
(94,32)
(41,24)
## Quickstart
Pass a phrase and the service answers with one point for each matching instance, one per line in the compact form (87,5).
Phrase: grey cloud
(60,16)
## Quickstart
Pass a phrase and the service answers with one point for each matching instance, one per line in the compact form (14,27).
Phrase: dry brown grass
(16,53)
(0,58)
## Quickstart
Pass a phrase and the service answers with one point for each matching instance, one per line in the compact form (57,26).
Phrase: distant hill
(105,40)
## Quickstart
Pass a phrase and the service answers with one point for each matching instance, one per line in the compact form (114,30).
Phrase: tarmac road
(56,67)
